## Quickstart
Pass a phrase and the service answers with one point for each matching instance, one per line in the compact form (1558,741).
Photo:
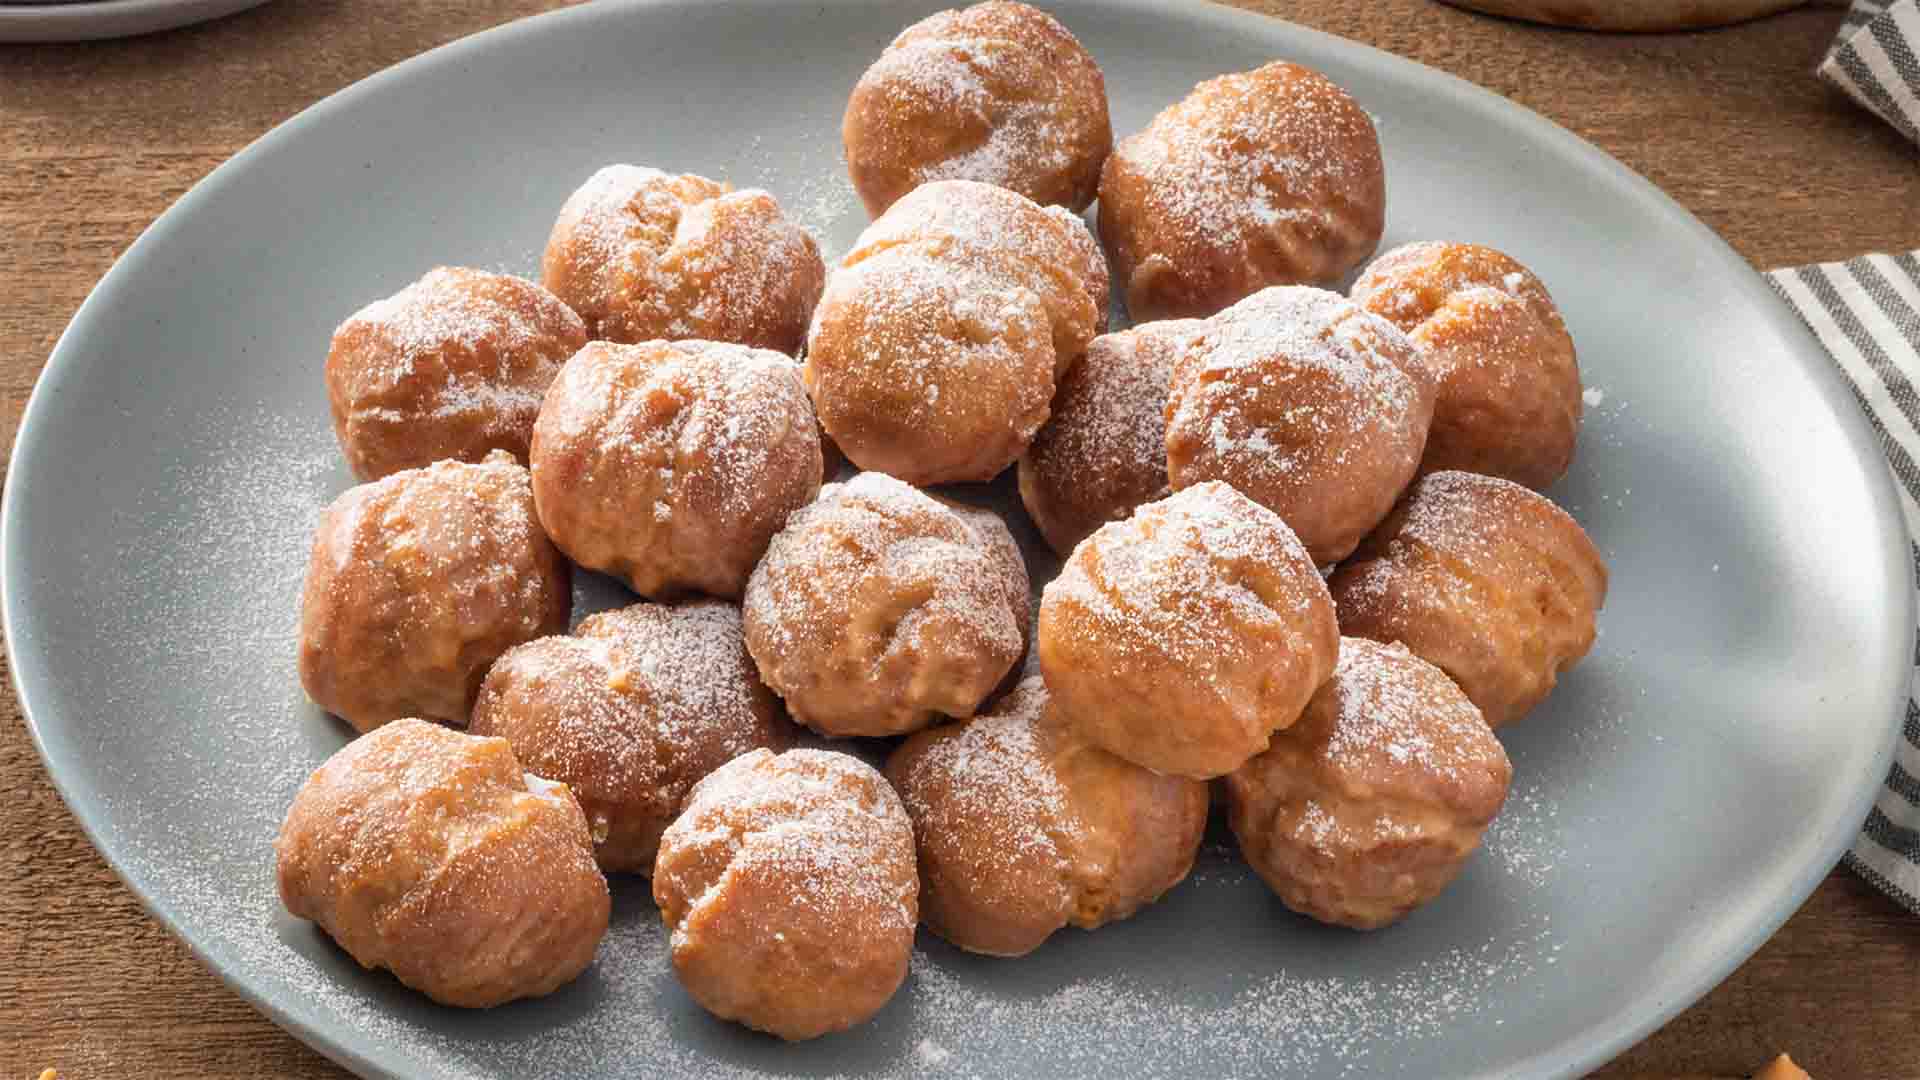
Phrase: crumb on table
(1780,1068)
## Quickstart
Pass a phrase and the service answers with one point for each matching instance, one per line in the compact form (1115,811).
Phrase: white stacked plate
(86,20)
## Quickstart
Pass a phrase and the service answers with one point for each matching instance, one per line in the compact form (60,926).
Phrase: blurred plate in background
(87,20)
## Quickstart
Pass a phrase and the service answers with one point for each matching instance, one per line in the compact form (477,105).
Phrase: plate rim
(1576,1055)
(101,20)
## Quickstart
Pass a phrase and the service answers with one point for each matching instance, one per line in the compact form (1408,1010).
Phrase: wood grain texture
(100,138)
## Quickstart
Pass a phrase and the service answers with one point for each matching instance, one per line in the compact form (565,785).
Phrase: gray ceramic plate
(86,20)
(1675,800)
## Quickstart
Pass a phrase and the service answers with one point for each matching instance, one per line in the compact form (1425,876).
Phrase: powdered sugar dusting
(730,438)
(700,682)
(1525,838)
(1285,385)
(942,330)
(1415,281)
(1174,579)
(936,345)
(1450,511)
(1104,451)
(631,712)
(929,1054)
(1384,710)
(454,365)
(1252,153)
(1007,76)
(815,194)
(1112,412)
(643,255)
(950,75)
(241,510)
(1290,1022)
(621,205)
(1002,241)
(995,783)
(1455,514)
(462,310)
(873,525)
(825,824)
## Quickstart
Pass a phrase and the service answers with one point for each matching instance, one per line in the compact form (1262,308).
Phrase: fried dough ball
(1093,269)
(998,92)
(631,714)
(1306,403)
(432,854)
(1266,177)
(670,464)
(789,887)
(452,366)
(1509,384)
(1484,579)
(1103,452)
(1022,828)
(1181,638)
(643,255)
(879,609)
(1371,804)
(935,350)
(418,582)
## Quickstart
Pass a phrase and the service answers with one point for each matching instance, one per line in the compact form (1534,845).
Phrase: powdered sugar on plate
(1276,1024)
(244,501)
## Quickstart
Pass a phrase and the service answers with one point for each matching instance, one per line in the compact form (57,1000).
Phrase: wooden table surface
(98,139)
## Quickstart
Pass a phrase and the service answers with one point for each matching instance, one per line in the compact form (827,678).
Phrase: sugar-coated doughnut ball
(789,889)
(1092,265)
(452,366)
(1307,404)
(1181,638)
(630,714)
(642,254)
(934,353)
(880,609)
(1509,384)
(1265,177)
(1022,827)
(418,582)
(1484,579)
(432,854)
(998,92)
(1103,452)
(671,464)
(1371,804)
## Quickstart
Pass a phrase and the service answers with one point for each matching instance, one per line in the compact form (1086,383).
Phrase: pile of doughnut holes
(1306,563)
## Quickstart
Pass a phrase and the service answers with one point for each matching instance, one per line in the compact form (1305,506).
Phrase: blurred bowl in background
(1641,15)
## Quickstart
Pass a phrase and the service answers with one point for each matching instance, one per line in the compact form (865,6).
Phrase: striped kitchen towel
(1876,60)
(1866,311)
